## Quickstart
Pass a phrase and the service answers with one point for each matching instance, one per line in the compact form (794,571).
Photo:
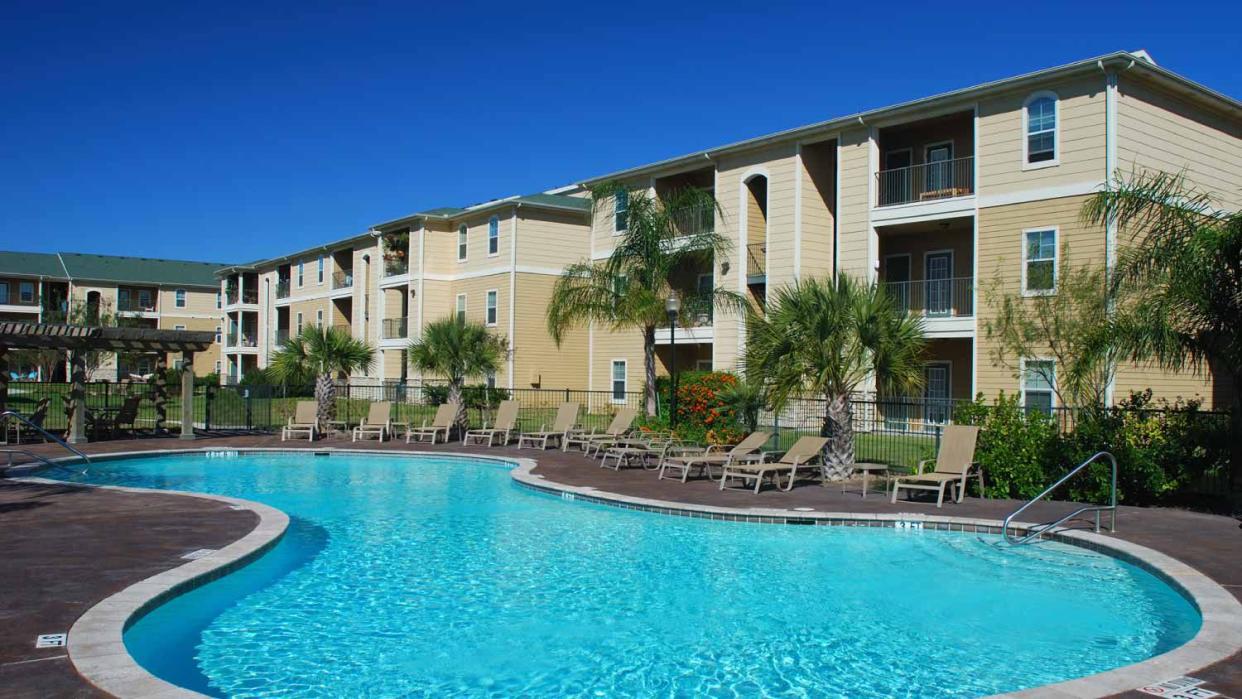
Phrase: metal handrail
(46,435)
(1038,530)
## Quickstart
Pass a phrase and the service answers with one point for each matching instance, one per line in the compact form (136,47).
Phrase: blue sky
(231,133)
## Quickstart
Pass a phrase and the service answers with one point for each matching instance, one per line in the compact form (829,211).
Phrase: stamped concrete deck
(67,548)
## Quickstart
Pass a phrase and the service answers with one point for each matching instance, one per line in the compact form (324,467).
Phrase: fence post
(936,451)
(208,393)
(249,416)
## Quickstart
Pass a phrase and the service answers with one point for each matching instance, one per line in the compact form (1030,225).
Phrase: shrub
(1013,446)
(476,397)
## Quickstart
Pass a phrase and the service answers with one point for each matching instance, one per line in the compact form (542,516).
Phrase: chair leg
(940,495)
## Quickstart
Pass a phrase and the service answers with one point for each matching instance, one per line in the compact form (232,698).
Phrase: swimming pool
(418,576)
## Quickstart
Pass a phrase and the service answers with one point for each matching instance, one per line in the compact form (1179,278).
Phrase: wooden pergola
(76,339)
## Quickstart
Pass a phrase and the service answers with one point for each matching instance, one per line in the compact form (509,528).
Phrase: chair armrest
(918,470)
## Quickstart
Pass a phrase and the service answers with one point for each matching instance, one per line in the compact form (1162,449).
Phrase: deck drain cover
(50,640)
(201,553)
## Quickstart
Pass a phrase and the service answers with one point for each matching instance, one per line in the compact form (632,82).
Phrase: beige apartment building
(494,263)
(139,291)
(933,198)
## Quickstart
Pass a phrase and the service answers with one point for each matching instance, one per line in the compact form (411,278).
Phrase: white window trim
(34,291)
(1056,260)
(301,274)
(463,242)
(928,147)
(894,151)
(494,310)
(1056,131)
(612,365)
(698,365)
(952,260)
(217,371)
(181,298)
(490,221)
(219,299)
(320,269)
(1022,379)
(298,325)
(319,318)
(460,309)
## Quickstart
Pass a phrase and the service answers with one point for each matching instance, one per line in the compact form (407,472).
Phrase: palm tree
(322,354)
(1182,270)
(822,338)
(457,350)
(746,398)
(665,237)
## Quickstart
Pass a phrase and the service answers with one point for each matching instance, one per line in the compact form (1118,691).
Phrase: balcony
(935,299)
(132,304)
(698,220)
(245,339)
(7,299)
(695,324)
(232,296)
(343,279)
(395,328)
(396,266)
(756,263)
(926,182)
(283,287)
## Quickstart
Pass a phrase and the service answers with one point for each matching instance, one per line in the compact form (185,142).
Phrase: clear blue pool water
(440,577)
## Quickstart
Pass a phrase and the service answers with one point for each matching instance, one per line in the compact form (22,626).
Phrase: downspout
(1110,167)
(513,243)
(422,266)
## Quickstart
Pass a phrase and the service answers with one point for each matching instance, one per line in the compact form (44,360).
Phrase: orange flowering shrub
(699,404)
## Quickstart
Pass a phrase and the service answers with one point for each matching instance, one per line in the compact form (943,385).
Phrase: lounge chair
(715,455)
(503,427)
(441,424)
(644,453)
(126,416)
(566,417)
(378,422)
(14,428)
(802,452)
(305,420)
(955,464)
(620,424)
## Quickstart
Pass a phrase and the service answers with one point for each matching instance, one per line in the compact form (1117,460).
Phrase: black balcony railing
(395,328)
(396,266)
(282,288)
(926,182)
(136,304)
(232,296)
(757,259)
(343,279)
(697,311)
(935,298)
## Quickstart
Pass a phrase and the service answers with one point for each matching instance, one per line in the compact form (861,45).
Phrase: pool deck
(67,548)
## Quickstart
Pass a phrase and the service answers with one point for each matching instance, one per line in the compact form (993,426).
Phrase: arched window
(1041,140)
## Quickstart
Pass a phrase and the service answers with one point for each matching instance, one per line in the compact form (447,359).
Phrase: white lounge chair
(955,464)
(803,452)
(378,422)
(305,421)
(716,455)
(506,423)
(441,424)
(566,417)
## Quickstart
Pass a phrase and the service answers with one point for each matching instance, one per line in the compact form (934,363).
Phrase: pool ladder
(1037,531)
(14,415)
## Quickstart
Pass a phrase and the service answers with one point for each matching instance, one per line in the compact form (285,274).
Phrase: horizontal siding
(818,173)
(1082,152)
(537,357)
(1159,132)
(854,207)
(551,240)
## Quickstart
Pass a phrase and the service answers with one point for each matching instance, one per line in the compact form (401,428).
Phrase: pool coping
(96,640)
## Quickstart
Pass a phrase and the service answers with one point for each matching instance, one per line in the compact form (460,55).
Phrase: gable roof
(73,266)
(31,264)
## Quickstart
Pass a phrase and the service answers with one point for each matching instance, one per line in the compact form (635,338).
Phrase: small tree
(824,338)
(457,350)
(1183,263)
(746,398)
(1071,323)
(324,354)
(663,236)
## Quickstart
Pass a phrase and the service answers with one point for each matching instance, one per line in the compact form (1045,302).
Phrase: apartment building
(934,199)
(139,291)
(494,263)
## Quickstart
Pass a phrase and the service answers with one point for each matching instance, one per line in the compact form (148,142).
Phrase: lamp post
(673,307)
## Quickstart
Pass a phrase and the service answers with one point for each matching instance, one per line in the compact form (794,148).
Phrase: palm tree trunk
(839,429)
(325,398)
(649,367)
(1235,428)
(454,396)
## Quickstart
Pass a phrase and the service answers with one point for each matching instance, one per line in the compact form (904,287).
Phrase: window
(620,285)
(461,308)
(620,211)
(1039,377)
(219,299)
(491,307)
(4,292)
(25,292)
(144,300)
(319,318)
(491,379)
(301,274)
(321,269)
(702,365)
(461,243)
(493,236)
(179,298)
(299,324)
(1039,261)
(618,380)
(1039,116)
(218,338)
(217,366)
(178,327)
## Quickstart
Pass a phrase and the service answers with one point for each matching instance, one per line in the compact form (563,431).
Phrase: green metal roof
(110,268)
(557,200)
(140,270)
(31,264)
